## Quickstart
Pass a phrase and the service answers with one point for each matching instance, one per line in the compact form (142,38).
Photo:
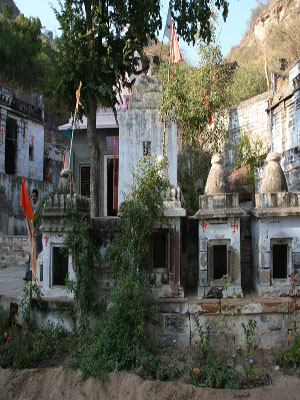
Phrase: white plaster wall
(272,228)
(218,231)
(135,127)
(249,117)
(54,239)
(26,130)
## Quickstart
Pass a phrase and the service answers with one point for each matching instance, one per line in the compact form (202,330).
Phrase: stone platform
(177,315)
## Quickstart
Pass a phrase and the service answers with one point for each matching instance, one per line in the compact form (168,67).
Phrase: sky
(229,33)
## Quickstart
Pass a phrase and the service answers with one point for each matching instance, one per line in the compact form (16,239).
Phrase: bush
(23,351)
(290,356)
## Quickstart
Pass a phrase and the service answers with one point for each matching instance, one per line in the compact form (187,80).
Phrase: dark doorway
(280,261)
(159,250)
(219,261)
(10,145)
(85,185)
(59,266)
(112,186)
(189,255)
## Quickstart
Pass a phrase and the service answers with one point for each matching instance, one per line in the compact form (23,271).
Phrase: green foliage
(122,336)
(35,347)
(31,292)
(20,49)
(290,356)
(248,81)
(4,315)
(85,260)
(139,214)
(162,365)
(246,356)
(211,369)
(194,166)
(249,153)
(183,98)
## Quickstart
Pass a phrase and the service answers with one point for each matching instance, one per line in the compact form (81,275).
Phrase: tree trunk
(94,157)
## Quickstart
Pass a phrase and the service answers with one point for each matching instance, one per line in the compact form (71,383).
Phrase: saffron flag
(175,55)
(209,115)
(78,103)
(168,27)
(25,201)
(65,162)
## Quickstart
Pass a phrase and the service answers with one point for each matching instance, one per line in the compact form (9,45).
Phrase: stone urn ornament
(273,180)
(217,182)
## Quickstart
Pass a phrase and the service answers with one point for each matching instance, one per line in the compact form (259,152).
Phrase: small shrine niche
(56,266)
(219,236)
(275,232)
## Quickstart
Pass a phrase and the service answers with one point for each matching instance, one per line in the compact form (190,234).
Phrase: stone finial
(65,182)
(273,179)
(217,181)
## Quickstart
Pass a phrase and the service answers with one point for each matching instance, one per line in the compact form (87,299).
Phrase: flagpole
(73,127)
(270,97)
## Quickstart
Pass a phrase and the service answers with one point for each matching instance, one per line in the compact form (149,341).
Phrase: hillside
(274,25)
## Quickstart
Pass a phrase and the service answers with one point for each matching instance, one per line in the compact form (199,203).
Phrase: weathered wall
(141,123)
(225,317)
(263,231)
(29,132)
(250,118)
(54,146)
(12,220)
(81,156)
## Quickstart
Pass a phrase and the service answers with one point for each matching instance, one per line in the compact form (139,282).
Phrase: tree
(96,48)
(194,95)
(20,48)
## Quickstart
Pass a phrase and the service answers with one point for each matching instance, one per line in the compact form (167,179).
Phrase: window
(10,145)
(280,261)
(281,258)
(59,266)
(160,250)
(85,180)
(31,153)
(219,259)
(147,148)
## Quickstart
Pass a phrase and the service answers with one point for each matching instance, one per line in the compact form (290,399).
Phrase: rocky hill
(266,21)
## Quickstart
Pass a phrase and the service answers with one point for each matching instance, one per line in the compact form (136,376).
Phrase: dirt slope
(63,384)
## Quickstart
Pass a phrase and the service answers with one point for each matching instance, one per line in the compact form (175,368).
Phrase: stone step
(16,255)
(14,250)
(21,240)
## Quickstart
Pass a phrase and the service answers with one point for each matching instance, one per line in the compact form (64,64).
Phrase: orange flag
(175,55)
(78,103)
(209,114)
(65,162)
(25,201)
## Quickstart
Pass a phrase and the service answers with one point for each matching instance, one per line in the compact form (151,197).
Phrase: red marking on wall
(46,239)
(32,139)
(2,134)
(234,226)
(204,225)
